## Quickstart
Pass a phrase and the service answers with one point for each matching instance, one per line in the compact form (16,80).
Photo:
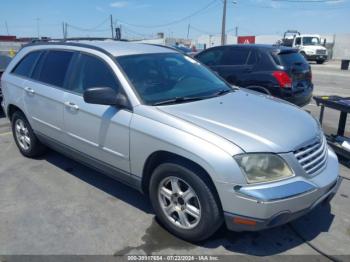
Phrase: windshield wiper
(223,92)
(184,99)
(177,100)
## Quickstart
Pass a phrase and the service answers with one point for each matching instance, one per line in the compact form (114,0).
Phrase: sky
(143,19)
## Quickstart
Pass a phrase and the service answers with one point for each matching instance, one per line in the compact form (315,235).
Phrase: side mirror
(105,96)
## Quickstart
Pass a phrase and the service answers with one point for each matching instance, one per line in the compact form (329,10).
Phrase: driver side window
(92,72)
(298,41)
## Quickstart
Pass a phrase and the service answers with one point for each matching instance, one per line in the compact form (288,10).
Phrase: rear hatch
(296,67)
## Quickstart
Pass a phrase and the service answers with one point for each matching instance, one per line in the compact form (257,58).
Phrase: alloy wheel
(179,202)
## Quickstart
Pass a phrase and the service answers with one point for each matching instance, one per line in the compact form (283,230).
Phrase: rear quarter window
(26,65)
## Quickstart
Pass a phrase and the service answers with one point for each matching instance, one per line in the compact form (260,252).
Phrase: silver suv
(203,151)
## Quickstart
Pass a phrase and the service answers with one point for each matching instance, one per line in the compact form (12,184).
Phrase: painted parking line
(5,134)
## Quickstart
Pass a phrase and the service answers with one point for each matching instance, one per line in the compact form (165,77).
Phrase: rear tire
(188,209)
(26,141)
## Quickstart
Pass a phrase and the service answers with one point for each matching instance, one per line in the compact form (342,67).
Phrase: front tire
(184,202)
(320,62)
(26,141)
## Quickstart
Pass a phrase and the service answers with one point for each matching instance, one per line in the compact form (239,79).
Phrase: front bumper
(255,207)
(316,57)
(238,223)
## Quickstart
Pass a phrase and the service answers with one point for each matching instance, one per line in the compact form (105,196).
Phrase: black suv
(279,71)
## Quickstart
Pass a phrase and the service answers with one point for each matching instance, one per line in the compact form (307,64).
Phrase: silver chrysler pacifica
(205,153)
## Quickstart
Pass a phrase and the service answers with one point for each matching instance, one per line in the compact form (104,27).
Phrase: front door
(98,131)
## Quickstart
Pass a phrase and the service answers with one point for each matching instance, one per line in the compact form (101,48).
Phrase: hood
(255,123)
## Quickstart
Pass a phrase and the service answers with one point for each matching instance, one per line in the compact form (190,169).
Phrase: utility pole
(236,29)
(64,30)
(188,31)
(112,27)
(38,27)
(223,26)
(7,28)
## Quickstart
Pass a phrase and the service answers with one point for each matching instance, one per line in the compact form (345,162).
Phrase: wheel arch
(159,157)
(11,109)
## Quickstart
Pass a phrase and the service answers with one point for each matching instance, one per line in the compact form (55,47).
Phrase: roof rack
(46,40)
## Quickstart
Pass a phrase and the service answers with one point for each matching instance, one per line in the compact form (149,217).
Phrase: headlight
(260,168)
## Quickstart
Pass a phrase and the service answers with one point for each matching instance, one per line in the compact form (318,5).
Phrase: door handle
(71,105)
(29,90)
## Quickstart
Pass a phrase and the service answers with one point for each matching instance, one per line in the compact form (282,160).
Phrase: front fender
(148,136)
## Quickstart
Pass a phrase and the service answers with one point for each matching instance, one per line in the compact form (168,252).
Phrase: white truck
(309,45)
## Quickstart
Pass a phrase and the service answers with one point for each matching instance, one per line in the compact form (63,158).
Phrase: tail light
(283,79)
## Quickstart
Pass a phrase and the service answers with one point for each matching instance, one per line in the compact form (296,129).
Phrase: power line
(203,31)
(175,21)
(294,8)
(308,1)
(92,29)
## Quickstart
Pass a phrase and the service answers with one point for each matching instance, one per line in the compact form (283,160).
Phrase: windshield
(163,77)
(311,41)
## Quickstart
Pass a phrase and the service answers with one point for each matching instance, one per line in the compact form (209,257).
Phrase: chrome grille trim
(313,157)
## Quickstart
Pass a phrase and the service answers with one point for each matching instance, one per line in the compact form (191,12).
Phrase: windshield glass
(163,77)
(311,41)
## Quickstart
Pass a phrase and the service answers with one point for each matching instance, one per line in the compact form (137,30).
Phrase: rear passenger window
(54,67)
(93,72)
(26,65)
(253,59)
(235,56)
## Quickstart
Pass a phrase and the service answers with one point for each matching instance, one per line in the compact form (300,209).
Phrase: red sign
(246,40)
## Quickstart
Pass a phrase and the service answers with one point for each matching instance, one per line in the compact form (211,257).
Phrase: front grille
(313,157)
(320,52)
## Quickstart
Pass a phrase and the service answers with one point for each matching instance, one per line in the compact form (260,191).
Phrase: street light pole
(112,27)
(223,26)
(38,27)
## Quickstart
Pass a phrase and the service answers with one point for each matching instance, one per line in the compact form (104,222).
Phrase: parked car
(275,70)
(203,151)
(4,61)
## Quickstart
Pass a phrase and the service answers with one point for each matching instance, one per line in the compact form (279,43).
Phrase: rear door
(99,131)
(44,93)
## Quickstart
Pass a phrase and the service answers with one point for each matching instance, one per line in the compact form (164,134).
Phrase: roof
(259,46)
(309,35)
(262,46)
(115,48)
